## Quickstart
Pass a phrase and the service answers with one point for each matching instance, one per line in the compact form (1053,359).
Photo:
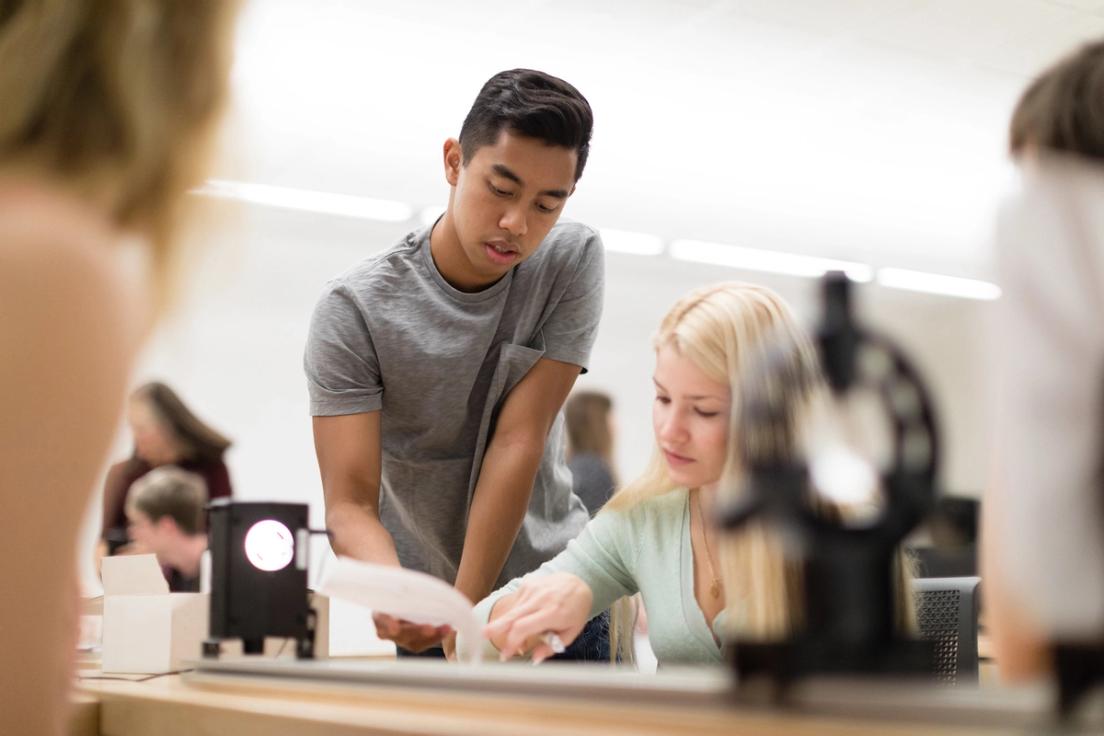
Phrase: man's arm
(506,477)
(348,450)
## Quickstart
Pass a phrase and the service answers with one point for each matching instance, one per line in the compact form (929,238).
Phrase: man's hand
(410,636)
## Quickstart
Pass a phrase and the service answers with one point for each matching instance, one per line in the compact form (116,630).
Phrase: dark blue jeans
(591,645)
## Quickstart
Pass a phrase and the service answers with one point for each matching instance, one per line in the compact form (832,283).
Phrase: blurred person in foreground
(1043,516)
(165,513)
(588,416)
(166,433)
(106,115)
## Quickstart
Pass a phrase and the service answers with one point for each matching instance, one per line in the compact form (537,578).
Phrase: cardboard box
(147,629)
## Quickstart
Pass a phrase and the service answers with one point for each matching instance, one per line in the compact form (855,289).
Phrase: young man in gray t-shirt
(437,369)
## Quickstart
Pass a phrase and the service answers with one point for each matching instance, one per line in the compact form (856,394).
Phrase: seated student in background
(652,536)
(165,511)
(107,112)
(589,420)
(1043,514)
(166,432)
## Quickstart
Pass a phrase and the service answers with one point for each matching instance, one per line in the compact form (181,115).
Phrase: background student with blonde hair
(106,113)
(654,536)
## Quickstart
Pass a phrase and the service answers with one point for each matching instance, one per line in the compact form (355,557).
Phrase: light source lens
(269,545)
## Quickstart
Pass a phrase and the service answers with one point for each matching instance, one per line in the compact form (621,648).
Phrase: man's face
(144,531)
(505,200)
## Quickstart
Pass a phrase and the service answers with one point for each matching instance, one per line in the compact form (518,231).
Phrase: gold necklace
(715,586)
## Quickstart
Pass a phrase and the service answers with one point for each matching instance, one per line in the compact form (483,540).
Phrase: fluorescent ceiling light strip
(769,261)
(934,283)
(625,241)
(306,200)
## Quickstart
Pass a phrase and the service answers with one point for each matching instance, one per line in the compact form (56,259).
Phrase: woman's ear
(454,159)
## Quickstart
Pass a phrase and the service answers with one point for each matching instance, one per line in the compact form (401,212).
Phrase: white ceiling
(871,130)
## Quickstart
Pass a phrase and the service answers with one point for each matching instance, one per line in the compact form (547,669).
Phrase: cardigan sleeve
(602,556)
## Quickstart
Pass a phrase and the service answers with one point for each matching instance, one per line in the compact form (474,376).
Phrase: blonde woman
(105,115)
(653,536)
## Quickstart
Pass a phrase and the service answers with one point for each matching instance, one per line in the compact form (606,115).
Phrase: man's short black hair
(532,104)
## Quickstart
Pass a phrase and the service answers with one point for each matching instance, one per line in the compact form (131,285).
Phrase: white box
(147,629)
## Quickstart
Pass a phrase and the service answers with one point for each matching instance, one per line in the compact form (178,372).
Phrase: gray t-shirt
(392,335)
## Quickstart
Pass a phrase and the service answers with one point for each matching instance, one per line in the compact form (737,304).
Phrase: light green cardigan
(645,549)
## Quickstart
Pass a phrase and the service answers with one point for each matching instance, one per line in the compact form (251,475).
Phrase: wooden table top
(178,705)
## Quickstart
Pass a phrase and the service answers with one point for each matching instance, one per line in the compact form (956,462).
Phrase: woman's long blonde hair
(727,330)
(118,101)
(724,329)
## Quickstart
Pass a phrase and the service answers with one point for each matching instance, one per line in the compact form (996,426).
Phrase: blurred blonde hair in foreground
(118,102)
(107,112)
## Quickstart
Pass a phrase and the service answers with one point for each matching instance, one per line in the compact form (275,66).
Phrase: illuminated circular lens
(269,545)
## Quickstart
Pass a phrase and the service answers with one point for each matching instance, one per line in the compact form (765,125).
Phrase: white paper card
(133,575)
(406,594)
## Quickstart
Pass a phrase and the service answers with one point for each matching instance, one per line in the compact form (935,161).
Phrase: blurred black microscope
(841,515)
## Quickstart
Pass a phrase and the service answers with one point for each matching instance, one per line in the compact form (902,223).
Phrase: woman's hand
(556,604)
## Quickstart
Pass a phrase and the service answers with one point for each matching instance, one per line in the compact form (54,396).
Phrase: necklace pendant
(715,589)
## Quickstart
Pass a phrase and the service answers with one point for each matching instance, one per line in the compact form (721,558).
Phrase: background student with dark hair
(166,432)
(437,370)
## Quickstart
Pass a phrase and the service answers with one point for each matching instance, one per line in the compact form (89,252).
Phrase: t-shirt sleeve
(570,331)
(340,360)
